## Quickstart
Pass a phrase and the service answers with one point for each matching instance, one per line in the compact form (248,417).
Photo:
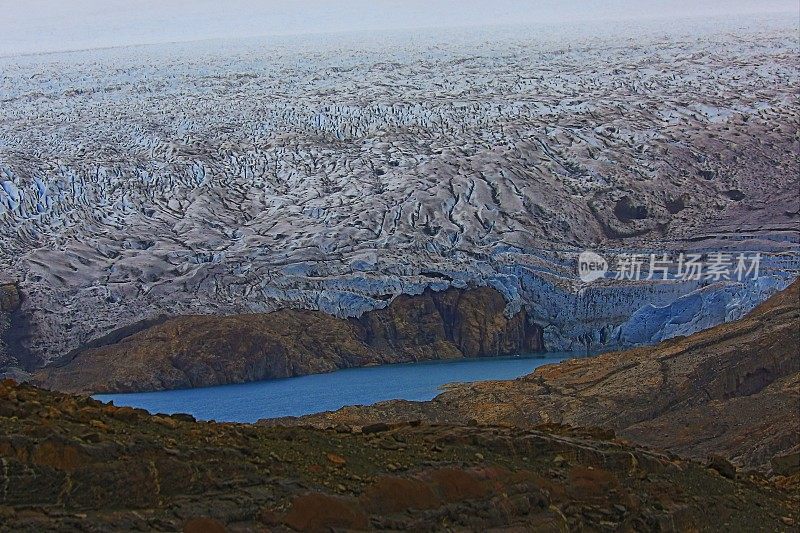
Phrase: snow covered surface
(337,171)
(35,26)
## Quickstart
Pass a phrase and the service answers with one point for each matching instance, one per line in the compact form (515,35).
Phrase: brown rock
(723,466)
(168,422)
(786,464)
(126,414)
(374,428)
(590,483)
(454,485)
(730,390)
(98,424)
(390,494)
(320,512)
(9,302)
(454,322)
(196,351)
(337,460)
(204,525)
(59,455)
(268,517)
(9,298)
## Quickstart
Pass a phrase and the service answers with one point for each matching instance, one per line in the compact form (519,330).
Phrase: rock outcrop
(195,351)
(9,303)
(9,298)
(732,390)
(69,463)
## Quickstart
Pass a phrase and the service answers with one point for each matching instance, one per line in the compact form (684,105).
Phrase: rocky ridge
(195,351)
(733,391)
(10,300)
(71,464)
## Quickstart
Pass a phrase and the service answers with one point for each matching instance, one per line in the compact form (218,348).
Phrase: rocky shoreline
(438,322)
(196,351)
(697,433)
(10,301)
(731,390)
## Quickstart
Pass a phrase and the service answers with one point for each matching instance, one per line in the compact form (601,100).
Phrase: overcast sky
(50,25)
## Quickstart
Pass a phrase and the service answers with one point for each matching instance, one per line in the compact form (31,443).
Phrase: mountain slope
(732,390)
(195,351)
(72,464)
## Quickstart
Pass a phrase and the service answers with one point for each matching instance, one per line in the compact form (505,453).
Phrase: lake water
(304,395)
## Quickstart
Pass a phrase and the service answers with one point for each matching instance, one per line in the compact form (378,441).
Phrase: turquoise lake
(304,395)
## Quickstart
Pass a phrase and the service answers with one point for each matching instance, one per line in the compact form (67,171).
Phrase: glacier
(336,172)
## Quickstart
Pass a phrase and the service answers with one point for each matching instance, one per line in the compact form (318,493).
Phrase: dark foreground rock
(733,390)
(73,464)
(197,351)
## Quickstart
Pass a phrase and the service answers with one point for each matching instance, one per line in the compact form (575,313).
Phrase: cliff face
(459,323)
(9,303)
(72,462)
(195,351)
(730,390)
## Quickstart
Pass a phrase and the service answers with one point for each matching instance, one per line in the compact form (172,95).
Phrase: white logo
(591,266)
